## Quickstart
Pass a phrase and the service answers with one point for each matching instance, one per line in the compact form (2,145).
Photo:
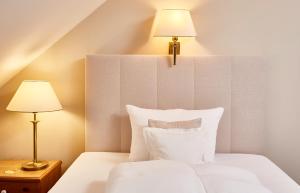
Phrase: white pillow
(139,119)
(186,145)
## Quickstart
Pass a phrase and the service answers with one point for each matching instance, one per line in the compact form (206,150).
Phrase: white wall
(28,28)
(225,27)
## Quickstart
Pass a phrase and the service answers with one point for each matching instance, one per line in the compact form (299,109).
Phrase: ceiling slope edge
(30,28)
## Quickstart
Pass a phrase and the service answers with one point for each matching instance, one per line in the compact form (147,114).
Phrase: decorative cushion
(195,123)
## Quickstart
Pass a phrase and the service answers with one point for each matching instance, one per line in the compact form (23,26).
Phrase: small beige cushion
(195,123)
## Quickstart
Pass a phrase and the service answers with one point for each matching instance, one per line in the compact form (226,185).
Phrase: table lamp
(34,96)
(174,23)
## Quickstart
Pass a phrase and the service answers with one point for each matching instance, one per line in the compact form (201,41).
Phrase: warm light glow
(34,96)
(176,4)
(174,22)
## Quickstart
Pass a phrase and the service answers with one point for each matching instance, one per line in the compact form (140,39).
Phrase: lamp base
(34,166)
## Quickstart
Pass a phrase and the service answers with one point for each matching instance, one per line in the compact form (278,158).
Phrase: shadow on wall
(230,27)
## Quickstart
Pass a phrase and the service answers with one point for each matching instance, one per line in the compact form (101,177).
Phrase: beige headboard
(235,83)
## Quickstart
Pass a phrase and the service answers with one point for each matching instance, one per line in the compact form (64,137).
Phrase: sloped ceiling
(28,28)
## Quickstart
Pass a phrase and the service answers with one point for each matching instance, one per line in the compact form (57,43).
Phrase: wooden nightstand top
(10,170)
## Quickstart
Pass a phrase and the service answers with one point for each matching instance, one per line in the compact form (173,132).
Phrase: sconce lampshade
(34,96)
(174,22)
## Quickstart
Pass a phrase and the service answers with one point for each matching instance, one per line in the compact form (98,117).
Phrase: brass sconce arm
(174,48)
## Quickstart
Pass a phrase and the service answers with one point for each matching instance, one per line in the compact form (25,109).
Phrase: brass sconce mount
(174,48)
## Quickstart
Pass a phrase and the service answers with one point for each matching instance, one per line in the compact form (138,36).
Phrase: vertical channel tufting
(120,108)
(176,84)
(138,80)
(102,115)
(212,83)
(230,110)
(236,83)
(248,104)
(195,88)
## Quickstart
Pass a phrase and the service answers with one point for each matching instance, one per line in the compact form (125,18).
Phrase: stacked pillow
(176,134)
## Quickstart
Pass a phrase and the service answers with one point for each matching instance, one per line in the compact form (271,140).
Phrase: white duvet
(164,176)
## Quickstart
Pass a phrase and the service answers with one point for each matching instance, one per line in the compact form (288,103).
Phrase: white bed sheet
(88,174)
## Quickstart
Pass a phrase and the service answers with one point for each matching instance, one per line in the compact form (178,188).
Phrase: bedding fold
(164,176)
(159,176)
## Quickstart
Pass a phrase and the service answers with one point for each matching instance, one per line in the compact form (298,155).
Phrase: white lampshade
(34,96)
(174,22)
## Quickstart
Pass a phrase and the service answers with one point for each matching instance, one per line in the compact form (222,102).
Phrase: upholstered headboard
(235,83)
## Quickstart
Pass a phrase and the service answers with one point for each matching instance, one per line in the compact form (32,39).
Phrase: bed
(88,174)
(112,81)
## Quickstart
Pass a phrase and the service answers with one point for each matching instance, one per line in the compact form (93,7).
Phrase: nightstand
(15,180)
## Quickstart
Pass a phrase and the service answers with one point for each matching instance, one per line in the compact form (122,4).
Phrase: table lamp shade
(174,22)
(34,96)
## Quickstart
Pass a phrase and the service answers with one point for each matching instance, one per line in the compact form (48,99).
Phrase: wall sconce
(174,23)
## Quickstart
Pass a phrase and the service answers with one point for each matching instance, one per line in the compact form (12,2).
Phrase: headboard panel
(235,83)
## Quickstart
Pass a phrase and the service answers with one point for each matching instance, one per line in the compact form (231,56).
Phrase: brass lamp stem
(34,122)
(34,164)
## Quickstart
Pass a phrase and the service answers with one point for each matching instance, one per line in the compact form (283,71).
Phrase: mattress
(88,174)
